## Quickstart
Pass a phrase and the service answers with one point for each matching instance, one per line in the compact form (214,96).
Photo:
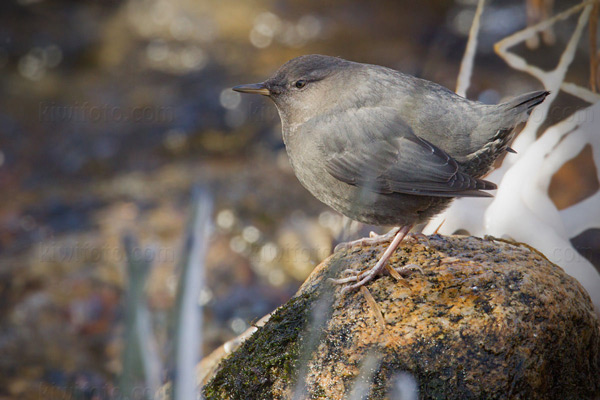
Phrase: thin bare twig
(466,66)
(539,10)
(373,305)
(593,25)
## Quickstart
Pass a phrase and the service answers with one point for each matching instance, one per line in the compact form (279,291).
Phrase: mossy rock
(484,319)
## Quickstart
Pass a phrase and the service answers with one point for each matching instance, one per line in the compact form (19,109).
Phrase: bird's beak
(254,88)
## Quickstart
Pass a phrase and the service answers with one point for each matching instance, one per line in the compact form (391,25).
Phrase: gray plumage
(383,147)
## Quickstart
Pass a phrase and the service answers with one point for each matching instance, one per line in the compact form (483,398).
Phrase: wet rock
(484,319)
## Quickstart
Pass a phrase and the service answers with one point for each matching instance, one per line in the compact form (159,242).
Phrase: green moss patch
(268,355)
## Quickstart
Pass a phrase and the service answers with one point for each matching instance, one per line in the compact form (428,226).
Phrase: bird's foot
(371,240)
(359,278)
(362,278)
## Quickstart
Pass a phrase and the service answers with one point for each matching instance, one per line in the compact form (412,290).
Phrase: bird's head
(304,86)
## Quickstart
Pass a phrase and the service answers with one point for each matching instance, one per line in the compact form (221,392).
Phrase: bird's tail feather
(526,102)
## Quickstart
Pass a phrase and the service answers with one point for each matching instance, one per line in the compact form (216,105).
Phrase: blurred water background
(111,111)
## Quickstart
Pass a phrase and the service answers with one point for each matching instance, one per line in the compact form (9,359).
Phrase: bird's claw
(371,240)
(351,271)
(353,276)
(405,269)
(342,281)
(415,237)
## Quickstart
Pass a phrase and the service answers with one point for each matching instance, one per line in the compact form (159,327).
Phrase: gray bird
(383,147)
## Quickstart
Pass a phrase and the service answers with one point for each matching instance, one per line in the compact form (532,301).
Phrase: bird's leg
(367,276)
(371,240)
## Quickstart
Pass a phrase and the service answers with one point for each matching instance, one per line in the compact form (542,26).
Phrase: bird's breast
(361,204)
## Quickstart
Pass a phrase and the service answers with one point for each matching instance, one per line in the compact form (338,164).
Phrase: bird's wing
(375,149)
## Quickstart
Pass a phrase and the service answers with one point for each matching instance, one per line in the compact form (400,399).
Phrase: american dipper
(383,147)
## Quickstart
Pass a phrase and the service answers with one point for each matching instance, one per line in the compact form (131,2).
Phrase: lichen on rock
(483,318)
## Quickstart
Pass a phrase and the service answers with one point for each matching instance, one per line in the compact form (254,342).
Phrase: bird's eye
(300,84)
